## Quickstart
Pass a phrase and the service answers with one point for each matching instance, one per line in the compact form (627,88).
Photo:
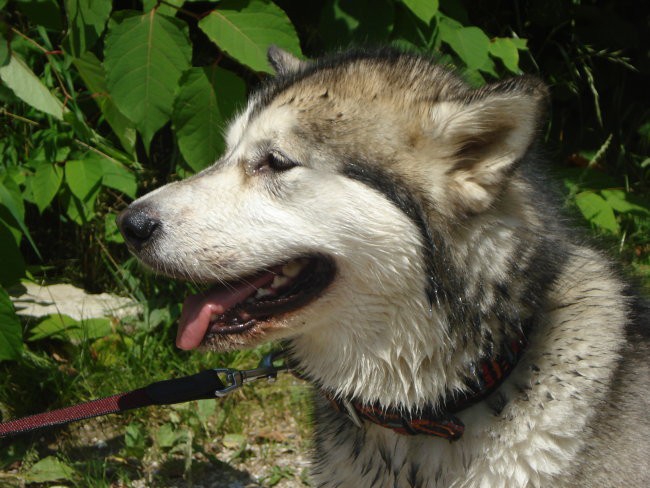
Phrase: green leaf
(118,177)
(86,20)
(423,9)
(166,8)
(207,98)
(83,176)
(166,436)
(13,202)
(26,86)
(135,440)
(624,202)
(45,184)
(144,58)
(506,50)
(13,264)
(470,43)
(49,469)
(597,211)
(92,73)
(81,211)
(53,326)
(90,329)
(111,231)
(244,29)
(11,335)
(521,44)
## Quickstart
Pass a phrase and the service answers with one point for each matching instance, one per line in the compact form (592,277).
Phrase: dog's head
(323,215)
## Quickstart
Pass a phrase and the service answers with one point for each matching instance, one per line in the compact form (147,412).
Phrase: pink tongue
(198,309)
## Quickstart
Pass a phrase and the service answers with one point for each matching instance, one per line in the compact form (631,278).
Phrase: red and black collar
(487,375)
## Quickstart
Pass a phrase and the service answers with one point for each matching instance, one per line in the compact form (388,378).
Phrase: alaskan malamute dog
(389,224)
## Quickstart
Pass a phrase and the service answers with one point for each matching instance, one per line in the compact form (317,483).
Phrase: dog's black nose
(137,226)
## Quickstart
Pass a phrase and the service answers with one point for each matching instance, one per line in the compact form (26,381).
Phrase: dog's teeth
(279,281)
(263,292)
(293,268)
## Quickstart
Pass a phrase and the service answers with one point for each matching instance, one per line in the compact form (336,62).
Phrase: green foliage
(49,469)
(10,329)
(244,29)
(206,100)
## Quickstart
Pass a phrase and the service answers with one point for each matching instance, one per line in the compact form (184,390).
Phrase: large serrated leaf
(92,72)
(45,183)
(144,57)
(423,9)
(26,86)
(207,98)
(86,20)
(470,43)
(244,29)
(11,336)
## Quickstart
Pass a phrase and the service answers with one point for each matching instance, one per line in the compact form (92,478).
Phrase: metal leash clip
(235,378)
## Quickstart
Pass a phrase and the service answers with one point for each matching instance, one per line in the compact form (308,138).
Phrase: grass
(256,435)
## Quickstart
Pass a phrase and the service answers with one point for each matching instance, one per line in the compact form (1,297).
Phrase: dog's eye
(276,162)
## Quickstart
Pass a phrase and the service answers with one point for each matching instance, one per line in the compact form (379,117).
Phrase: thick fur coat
(423,197)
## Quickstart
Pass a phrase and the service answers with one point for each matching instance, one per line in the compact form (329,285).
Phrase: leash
(212,383)
(489,374)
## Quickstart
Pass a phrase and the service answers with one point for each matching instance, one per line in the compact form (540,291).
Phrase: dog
(394,228)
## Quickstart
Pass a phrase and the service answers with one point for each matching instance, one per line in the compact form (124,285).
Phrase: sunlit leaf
(144,57)
(93,75)
(423,9)
(470,43)
(246,28)
(206,100)
(597,211)
(506,50)
(26,86)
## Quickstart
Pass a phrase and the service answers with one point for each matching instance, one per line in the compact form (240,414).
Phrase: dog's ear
(283,62)
(486,134)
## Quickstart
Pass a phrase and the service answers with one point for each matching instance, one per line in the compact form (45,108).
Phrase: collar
(488,373)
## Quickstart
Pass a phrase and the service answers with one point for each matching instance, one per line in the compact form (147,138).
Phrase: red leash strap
(95,408)
(201,385)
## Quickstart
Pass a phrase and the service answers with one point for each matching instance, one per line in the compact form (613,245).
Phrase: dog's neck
(390,344)
(487,376)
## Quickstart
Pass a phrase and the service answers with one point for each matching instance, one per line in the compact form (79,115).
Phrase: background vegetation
(102,101)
